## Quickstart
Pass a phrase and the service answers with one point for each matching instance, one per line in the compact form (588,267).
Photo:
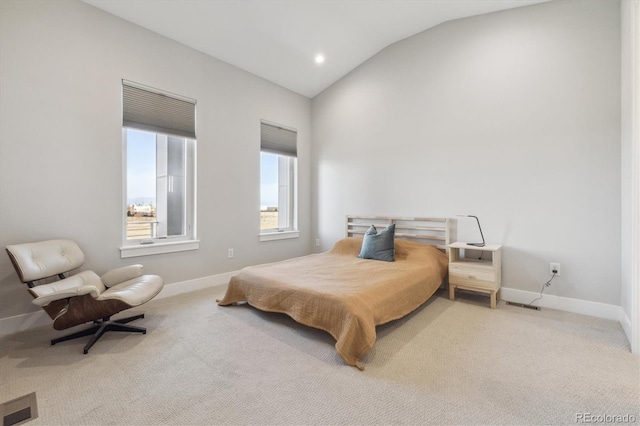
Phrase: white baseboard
(584,307)
(182,287)
(11,325)
(625,321)
(27,321)
(30,320)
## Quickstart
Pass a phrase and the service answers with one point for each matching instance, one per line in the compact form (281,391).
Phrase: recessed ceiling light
(319,59)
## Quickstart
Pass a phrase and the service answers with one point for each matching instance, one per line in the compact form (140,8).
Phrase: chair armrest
(86,282)
(120,275)
(136,291)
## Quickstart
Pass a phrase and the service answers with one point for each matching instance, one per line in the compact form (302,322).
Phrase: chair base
(102,326)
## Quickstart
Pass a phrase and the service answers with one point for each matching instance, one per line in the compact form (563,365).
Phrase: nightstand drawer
(476,278)
(472,271)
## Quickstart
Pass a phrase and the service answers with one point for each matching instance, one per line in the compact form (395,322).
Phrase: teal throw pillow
(379,246)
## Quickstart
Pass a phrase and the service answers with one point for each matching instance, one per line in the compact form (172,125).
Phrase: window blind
(278,140)
(149,109)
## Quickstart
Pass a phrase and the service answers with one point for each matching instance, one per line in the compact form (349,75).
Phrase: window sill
(271,236)
(158,248)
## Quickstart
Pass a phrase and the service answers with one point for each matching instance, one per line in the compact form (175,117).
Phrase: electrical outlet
(230,253)
(554,267)
(317,242)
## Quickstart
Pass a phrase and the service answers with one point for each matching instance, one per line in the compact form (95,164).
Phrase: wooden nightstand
(469,273)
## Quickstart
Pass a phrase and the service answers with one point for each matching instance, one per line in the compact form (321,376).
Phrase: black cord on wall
(547,284)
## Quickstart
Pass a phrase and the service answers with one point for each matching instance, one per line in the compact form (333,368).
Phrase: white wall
(61,65)
(629,160)
(512,116)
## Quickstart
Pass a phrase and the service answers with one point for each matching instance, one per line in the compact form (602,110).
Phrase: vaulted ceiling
(279,40)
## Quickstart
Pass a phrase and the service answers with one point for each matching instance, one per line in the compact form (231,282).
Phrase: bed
(344,295)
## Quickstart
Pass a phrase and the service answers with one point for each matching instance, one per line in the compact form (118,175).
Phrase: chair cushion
(136,291)
(86,282)
(35,261)
(119,275)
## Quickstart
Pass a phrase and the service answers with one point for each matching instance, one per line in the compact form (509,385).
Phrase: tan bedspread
(346,296)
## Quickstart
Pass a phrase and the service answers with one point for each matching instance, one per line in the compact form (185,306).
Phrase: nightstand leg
(493,300)
(452,291)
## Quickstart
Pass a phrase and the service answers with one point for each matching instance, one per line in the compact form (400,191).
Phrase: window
(159,152)
(278,178)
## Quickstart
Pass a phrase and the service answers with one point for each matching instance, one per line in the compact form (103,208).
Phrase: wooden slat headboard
(427,230)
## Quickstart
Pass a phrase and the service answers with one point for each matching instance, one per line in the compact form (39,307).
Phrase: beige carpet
(447,363)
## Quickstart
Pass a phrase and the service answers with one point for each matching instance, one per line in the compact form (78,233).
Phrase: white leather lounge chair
(85,296)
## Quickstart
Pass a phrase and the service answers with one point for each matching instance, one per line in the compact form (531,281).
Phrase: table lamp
(479,227)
